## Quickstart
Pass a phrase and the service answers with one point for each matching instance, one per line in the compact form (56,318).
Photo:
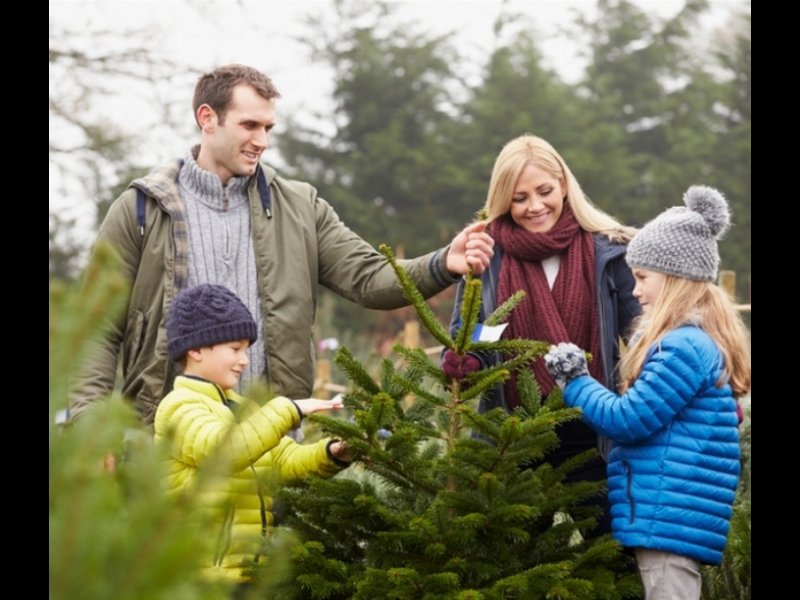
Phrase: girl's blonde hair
(684,301)
(531,150)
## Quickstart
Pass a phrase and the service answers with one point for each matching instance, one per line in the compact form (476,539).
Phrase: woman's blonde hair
(531,150)
(684,301)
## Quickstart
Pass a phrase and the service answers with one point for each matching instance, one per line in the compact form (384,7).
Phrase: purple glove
(739,412)
(458,367)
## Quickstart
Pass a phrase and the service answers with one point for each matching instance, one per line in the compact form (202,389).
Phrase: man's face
(233,148)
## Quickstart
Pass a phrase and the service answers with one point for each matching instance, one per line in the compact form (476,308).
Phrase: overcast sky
(262,34)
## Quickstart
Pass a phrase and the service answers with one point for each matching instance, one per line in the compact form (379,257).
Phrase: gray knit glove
(565,362)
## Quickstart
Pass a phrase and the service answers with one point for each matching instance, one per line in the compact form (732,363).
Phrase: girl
(674,470)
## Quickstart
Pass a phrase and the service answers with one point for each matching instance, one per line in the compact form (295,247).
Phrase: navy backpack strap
(263,190)
(140,210)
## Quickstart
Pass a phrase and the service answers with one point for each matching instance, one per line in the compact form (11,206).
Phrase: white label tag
(488,333)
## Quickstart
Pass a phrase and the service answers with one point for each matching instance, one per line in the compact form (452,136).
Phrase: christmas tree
(439,503)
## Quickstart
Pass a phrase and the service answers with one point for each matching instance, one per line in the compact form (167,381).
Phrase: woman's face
(537,201)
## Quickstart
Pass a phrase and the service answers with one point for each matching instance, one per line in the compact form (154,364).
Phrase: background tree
(404,152)
(637,64)
(516,94)
(386,167)
(676,110)
(384,164)
(93,154)
(731,156)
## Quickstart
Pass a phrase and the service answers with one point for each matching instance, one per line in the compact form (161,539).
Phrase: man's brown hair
(216,88)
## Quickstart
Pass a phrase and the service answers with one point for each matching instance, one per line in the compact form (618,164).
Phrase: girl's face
(537,201)
(648,287)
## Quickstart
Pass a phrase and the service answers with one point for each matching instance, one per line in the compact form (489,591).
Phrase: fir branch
(413,295)
(392,470)
(501,313)
(485,423)
(512,347)
(470,308)
(555,399)
(418,412)
(382,410)
(509,365)
(485,383)
(530,394)
(573,462)
(518,585)
(416,358)
(355,370)
(387,372)
(421,392)
(337,427)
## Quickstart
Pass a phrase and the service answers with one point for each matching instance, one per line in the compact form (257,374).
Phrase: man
(220,216)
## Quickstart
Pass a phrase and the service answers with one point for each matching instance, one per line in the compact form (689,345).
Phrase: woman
(569,258)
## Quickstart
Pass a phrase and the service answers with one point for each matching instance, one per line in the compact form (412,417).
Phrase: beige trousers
(668,576)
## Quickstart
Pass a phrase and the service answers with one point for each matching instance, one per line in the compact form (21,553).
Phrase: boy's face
(222,364)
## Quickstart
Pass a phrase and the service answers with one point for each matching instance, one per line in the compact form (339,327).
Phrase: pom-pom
(710,204)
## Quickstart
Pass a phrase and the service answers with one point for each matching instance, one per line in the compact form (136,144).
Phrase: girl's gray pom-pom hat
(682,241)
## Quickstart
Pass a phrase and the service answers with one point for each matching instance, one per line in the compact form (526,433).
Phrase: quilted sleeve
(295,461)
(672,375)
(201,430)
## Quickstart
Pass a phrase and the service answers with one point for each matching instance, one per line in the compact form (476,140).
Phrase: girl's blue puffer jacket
(674,469)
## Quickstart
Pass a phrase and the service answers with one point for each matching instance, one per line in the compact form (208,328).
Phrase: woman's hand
(459,366)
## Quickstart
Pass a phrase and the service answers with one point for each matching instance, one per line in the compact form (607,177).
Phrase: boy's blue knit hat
(206,315)
(682,241)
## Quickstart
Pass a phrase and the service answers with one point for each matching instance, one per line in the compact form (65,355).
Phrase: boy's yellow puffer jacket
(248,447)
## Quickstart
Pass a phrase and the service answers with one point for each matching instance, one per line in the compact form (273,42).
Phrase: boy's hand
(312,405)
(340,450)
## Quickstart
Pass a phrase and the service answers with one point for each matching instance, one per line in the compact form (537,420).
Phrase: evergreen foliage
(440,504)
(113,532)
(731,580)
(653,112)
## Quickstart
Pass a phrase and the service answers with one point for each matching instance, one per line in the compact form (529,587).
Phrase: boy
(208,332)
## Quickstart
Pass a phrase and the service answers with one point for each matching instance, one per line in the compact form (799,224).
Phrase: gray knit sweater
(220,244)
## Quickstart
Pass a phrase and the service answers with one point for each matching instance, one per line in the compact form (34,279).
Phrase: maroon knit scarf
(568,312)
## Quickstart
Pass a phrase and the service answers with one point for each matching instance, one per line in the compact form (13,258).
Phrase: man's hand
(312,405)
(473,247)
